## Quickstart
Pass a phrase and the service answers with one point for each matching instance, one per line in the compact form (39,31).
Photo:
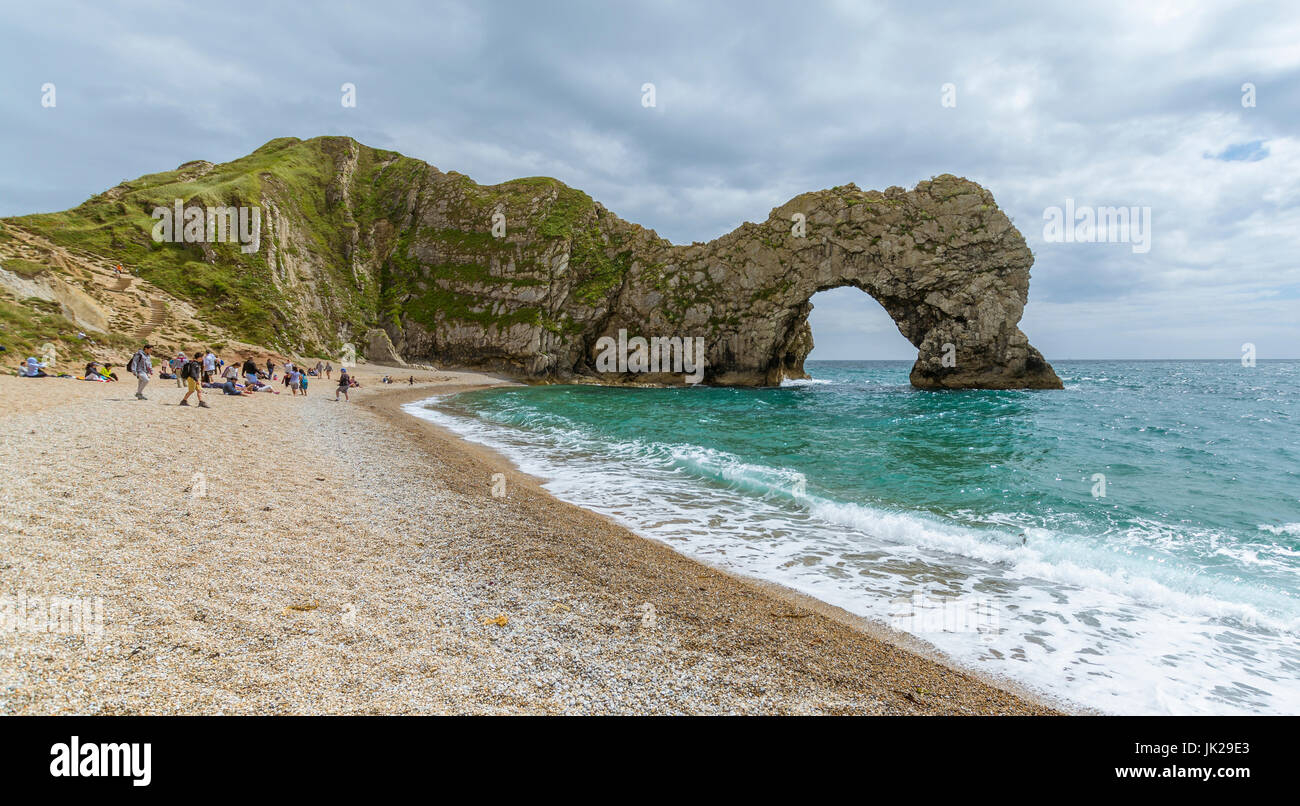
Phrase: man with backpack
(141,366)
(192,371)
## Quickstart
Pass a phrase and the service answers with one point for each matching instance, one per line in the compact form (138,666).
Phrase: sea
(1129,545)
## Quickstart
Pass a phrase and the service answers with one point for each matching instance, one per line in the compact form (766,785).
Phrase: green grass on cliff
(418,272)
(26,326)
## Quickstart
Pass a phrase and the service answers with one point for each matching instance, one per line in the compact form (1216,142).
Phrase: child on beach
(345,381)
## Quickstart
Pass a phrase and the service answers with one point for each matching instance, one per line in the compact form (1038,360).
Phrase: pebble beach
(285,555)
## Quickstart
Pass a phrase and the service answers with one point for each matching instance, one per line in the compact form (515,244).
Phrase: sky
(1188,110)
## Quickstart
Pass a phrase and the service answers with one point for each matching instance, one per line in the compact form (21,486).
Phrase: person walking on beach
(302,381)
(191,372)
(175,365)
(328,369)
(141,366)
(345,382)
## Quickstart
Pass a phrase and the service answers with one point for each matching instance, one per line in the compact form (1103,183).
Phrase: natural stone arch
(942,259)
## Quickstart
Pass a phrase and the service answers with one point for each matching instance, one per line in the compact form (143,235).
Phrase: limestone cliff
(528,275)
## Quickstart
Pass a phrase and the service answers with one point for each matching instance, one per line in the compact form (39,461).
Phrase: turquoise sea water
(1130,544)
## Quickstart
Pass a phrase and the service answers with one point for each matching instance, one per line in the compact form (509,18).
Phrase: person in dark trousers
(141,366)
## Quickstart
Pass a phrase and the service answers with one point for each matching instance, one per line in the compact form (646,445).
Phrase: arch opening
(848,324)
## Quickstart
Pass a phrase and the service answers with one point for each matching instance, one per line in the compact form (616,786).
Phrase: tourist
(191,372)
(230,373)
(270,369)
(328,369)
(345,382)
(33,369)
(302,380)
(107,371)
(141,366)
(176,364)
(411,382)
(209,366)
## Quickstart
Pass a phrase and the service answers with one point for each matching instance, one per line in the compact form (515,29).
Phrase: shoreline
(872,629)
(285,555)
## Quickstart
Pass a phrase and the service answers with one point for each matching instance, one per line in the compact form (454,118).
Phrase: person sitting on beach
(229,372)
(33,369)
(107,371)
(92,372)
(232,388)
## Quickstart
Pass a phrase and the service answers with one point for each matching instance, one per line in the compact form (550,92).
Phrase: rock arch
(942,259)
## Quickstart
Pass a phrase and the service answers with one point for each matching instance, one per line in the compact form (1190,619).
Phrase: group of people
(207,371)
(204,369)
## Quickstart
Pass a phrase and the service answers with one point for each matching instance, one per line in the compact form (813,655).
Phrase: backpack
(132,366)
(190,370)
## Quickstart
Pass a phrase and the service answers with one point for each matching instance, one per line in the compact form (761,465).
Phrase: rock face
(942,259)
(532,277)
(379,349)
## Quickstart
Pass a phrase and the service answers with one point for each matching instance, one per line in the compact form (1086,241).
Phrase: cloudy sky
(1107,104)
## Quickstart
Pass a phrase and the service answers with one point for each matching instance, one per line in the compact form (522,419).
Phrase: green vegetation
(24,268)
(348,243)
(26,326)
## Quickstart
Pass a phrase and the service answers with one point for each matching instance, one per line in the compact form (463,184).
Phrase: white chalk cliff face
(530,276)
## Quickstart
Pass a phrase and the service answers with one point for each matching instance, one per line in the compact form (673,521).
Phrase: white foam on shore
(1085,625)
